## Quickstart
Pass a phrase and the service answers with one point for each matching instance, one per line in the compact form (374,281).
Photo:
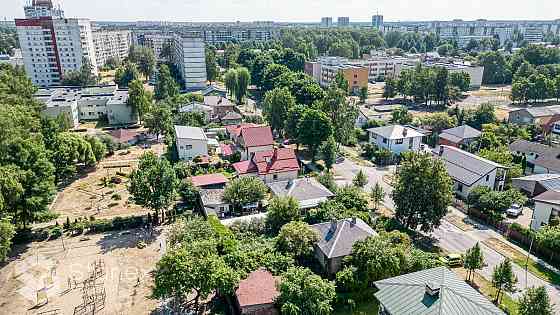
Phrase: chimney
(404,132)
(334,225)
(354,220)
(440,150)
(432,289)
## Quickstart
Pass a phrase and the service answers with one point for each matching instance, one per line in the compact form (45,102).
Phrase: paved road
(448,235)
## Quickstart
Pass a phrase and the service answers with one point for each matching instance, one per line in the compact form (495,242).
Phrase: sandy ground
(124,274)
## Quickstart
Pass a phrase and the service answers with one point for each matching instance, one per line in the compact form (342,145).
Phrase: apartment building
(343,21)
(156,42)
(474,71)
(325,70)
(377,22)
(42,8)
(326,21)
(111,44)
(190,58)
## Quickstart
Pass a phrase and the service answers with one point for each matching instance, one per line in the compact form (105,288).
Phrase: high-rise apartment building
(326,21)
(190,58)
(154,41)
(52,46)
(42,8)
(377,22)
(343,21)
(110,44)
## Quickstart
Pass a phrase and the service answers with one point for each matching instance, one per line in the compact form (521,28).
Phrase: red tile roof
(123,135)
(269,162)
(257,136)
(227,149)
(236,129)
(259,288)
(209,179)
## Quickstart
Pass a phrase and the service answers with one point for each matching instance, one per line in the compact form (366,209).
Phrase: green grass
(538,270)
(366,304)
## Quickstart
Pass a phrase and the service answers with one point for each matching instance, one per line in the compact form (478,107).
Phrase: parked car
(452,260)
(515,210)
(339,159)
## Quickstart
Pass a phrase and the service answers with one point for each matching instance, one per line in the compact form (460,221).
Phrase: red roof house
(257,293)
(125,135)
(255,139)
(270,166)
(234,131)
(217,180)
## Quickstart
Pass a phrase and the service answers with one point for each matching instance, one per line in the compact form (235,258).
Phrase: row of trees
(428,84)
(8,40)
(535,85)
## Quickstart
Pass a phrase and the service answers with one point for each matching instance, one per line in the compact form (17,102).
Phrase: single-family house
(469,171)
(255,139)
(541,159)
(533,115)
(459,137)
(396,138)
(307,191)
(534,185)
(547,208)
(257,294)
(212,202)
(191,142)
(336,239)
(431,292)
(209,181)
(227,150)
(234,131)
(362,118)
(271,166)
(231,118)
(196,107)
(220,105)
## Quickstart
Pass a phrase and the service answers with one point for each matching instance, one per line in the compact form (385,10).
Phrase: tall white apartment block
(111,44)
(377,22)
(156,42)
(326,21)
(42,8)
(51,47)
(190,59)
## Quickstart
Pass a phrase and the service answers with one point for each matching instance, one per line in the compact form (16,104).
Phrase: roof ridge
(338,233)
(481,305)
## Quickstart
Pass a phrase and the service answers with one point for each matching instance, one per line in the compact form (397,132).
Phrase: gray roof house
(396,138)
(307,191)
(537,184)
(540,158)
(459,136)
(469,171)
(533,115)
(433,291)
(336,241)
(213,203)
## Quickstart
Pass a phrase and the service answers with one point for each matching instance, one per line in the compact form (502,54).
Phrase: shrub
(116,197)
(55,232)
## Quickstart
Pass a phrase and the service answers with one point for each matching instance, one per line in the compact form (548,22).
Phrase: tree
(377,195)
(303,292)
(363,94)
(314,127)
(69,150)
(473,260)
(7,232)
(535,301)
(281,210)
(496,68)
(277,103)
(243,80)
(97,147)
(292,123)
(340,82)
(258,69)
(189,192)
(138,98)
(231,81)
(154,184)
(271,74)
(165,85)
(461,80)
(401,116)
(342,113)
(422,192)
(329,150)
(352,198)
(126,73)
(503,279)
(297,238)
(484,114)
(390,89)
(244,191)
(145,59)
(360,180)
(211,65)
(159,121)
(438,121)
(82,77)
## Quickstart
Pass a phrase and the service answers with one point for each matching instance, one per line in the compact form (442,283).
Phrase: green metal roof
(407,295)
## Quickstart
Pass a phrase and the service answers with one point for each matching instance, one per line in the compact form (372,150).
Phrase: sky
(296,10)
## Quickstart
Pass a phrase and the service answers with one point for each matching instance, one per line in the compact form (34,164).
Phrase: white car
(515,210)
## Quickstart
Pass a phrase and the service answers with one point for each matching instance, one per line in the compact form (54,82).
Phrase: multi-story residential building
(474,71)
(343,21)
(156,41)
(325,70)
(190,58)
(377,22)
(109,44)
(326,21)
(42,8)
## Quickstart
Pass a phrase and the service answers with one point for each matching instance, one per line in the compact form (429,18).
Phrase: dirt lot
(123,274)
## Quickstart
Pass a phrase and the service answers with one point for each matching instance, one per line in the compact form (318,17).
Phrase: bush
(55,232)
(116,197)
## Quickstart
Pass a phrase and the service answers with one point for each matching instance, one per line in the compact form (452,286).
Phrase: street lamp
(530,247)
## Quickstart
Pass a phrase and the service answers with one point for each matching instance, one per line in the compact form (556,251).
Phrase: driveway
(449,236)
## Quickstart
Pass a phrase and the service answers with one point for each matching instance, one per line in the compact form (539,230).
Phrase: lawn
(367,304)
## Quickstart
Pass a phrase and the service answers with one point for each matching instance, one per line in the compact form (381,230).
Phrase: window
(399,141)
(410,143)
(384,140)
(188,147)
(460,187)
(487,177)
(275,176)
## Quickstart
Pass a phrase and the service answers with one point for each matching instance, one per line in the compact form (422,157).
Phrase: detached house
(255,139)
(396,138)
(459,137)
(220,105)
(270,166)
(257,294)
(336,241)
(234,131)
(307,191)
(469,171)
(541,159)
(191,142)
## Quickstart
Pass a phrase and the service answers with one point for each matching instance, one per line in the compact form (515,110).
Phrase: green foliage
(277,103)
(144,58)
(401,116)
(165,85)
(503,279)
(271,74)
(422,193)
(363,94)
(535,301)
(7,232)
(243,81)
(390,89)
(97,147)
(138,98)
(438,121)
(189,193)
(159,121)
(342,113)
(495,203)
(231,81)
(327,179)
(244,191)
(377,195)
(296,239)
(154,183)
(303,292)
(126,73)
(360,180)
(473,260)
(314,127)
(329,151)
(69,150)
(211,65)
(352,197)
(82,77)
(281,210)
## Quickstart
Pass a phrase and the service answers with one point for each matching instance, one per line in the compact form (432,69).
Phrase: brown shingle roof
(259,288)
